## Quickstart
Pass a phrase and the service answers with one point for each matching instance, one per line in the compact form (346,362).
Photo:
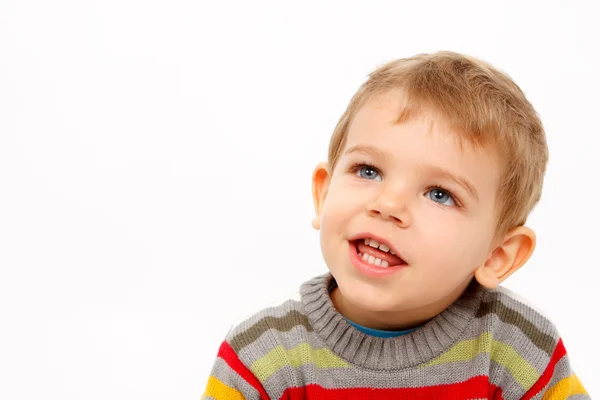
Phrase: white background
(155,164)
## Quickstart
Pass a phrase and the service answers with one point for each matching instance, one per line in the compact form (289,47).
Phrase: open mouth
(374,253)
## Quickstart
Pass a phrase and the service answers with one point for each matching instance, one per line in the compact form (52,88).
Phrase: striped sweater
(487,344)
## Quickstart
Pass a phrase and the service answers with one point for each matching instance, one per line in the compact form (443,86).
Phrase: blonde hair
(482,104)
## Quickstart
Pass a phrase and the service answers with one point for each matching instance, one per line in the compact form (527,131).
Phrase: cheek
(457,244)
(337,208)
(336,220)
(332,219)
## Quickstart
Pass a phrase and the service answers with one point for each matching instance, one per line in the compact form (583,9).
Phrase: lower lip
(371,270)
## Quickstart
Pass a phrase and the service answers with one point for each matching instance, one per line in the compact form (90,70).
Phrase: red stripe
(559,352)
(495,392)
(227,354)
(474,387)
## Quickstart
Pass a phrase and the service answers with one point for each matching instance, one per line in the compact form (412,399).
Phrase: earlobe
(486,276)
(320,185)
(316,223)
(514,251)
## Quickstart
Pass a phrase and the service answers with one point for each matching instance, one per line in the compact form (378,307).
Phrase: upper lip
(381,240)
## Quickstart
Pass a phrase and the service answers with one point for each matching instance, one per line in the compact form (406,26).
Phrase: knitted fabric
(487,344)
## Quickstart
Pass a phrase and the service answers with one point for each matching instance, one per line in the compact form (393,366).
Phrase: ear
(320,185)
(515,249)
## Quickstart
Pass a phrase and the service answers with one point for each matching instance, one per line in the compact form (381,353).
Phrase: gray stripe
(561,370)
(510,335)
(501,377)
(276,312)
(509,299)
(228,376)
(281,324)
(545,339)
(272,338)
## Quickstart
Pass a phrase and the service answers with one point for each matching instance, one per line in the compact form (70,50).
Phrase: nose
(391,204)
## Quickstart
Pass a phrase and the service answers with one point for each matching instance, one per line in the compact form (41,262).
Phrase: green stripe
(509,316)
(501,353)
(280,357)
(282,324)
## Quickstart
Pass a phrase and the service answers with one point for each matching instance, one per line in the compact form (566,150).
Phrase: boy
(432,172)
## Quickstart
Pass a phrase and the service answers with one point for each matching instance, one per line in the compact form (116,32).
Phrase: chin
(366,296)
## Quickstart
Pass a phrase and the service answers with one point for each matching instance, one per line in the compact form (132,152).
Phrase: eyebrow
(375,152)
(434,169)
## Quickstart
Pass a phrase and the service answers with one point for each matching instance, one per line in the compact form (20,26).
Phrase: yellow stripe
(302,354)
(523,372)
(564,388)
(221,391)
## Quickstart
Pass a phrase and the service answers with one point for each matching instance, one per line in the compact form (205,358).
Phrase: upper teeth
(381,246)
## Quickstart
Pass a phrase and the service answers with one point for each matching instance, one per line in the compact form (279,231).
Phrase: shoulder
(527,352)
(280,323)
(511,309)
(522,340)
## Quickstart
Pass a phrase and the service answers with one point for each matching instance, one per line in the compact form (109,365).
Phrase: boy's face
(441,239)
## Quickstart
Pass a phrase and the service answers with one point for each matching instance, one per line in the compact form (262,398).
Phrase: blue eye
(441,196)
(368,172)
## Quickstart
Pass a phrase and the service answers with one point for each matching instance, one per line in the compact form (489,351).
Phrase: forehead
(378,117)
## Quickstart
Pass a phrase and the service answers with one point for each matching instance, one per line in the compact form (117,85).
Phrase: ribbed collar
(401,352)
